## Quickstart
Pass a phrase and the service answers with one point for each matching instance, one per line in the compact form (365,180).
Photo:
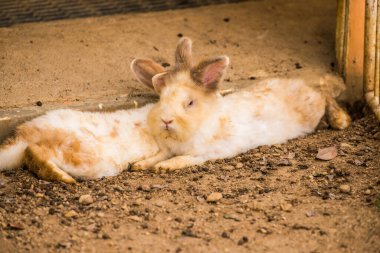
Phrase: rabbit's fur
(193,123)
(67,144)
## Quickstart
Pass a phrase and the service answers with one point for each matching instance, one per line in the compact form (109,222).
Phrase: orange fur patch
(71,153)
(305,109)
(53,140)
(222,131)
(9,142)
(114,133)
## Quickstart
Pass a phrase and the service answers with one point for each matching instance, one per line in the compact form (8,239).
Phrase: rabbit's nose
(167,122)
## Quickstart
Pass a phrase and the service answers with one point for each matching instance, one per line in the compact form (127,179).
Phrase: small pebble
(286,207)
(345,145)
(70,214)
(228,167)
(144,187)
(86,199)
(189,233)
(243,240)
(310,214)
(225,234)
(263,231)
(214,197)
(135,218)
(64,245)
(345,188)
(106,236)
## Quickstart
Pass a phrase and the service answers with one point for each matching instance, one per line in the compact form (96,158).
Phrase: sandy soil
(274,199)
(71,61)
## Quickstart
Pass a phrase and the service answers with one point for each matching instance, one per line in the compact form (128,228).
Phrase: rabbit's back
(91,145)
(289,99)
(270,112)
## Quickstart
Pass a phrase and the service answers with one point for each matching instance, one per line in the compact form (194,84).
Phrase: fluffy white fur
(191,123)
(233,124)
(11,156)
(108,142)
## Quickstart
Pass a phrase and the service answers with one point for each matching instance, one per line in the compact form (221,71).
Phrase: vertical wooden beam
(370,56)
(354,52)
(370,45)
(341,35)
(377,64)
(376,108)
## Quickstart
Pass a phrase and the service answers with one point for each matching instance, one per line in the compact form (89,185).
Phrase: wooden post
(376,108)
(349,46)
(341,35)
(370,56)
(377,64)
(370,45)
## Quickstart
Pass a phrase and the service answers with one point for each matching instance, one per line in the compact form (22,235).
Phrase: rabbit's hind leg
(336,115)
(38,161)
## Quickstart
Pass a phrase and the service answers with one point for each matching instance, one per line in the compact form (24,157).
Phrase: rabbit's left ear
(145,69)
(159,82)
(210,72)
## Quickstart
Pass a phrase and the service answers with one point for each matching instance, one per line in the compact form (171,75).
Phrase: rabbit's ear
(159,82)
(145,69)
(183,59)
(210,72)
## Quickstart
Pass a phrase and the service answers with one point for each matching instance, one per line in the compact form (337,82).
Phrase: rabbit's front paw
(164,166)
(176,163)
(142,165)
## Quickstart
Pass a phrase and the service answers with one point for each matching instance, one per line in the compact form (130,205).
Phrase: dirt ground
(71,61)
(274,199)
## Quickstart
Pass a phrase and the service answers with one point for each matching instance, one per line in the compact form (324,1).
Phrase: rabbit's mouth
(167,128)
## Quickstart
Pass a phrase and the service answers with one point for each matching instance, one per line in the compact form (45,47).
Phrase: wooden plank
(355,44)
(341,35)
(377,64)
(370,45)
(370,56)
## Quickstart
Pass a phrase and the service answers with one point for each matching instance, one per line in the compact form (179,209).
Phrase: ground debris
(86,199)
(327,154)
(214,197)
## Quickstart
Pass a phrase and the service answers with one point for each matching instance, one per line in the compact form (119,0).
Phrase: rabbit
(192,123)
(66,145)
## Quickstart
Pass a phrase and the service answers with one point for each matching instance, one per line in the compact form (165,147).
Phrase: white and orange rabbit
(67,144)
(192,123)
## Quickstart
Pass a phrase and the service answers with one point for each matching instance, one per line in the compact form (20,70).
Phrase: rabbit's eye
(190,103)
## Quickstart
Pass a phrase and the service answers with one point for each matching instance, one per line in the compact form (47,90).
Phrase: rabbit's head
(188,94)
